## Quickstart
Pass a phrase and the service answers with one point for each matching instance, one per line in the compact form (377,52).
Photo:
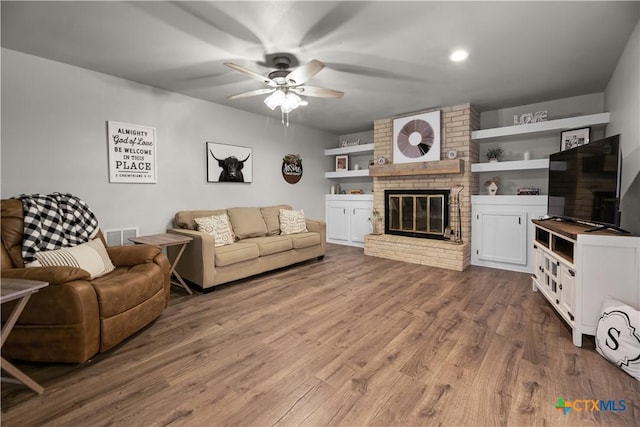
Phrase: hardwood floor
(351,340)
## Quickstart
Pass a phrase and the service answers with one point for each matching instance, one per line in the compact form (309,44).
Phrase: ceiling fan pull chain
(285,118)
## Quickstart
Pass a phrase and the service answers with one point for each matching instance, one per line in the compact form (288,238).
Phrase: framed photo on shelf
(574,138)
(342,163)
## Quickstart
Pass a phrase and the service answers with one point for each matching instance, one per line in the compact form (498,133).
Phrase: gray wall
(54,139)
(622,99)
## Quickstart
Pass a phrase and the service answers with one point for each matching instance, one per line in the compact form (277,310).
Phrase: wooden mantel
(419,168)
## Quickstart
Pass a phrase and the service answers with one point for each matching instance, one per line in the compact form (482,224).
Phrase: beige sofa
(259,246)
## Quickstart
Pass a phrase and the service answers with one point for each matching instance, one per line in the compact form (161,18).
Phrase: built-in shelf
(362,148)
(510,200)
(349,196)
(347,174)
(421,168)
(511,165)
(548,126)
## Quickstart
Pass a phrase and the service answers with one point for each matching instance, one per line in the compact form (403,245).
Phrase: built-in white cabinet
(501,231)
(503,236)
(575,269)
(348,218)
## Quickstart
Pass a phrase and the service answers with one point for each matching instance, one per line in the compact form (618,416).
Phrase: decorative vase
(492,189)
(377,226)
(493,160)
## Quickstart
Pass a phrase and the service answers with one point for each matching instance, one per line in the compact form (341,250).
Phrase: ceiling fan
(285,84)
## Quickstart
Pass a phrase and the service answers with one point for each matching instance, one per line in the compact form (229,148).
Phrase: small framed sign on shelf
(342,163)
(574,138)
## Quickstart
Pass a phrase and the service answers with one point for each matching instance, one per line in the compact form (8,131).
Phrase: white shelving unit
(548,126)
(347,174)
(501,225)
(362,148)
(354,149)
(510,166)
(520,132)
(347,215)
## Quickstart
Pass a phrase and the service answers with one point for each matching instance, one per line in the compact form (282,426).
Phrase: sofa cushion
(268,245)
(304,240)
(247,222)
(91,257)
(238,252)
(219,227)
(127,287)
(292,221)
(271,215)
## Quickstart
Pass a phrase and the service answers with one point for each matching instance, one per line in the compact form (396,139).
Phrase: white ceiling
(389,58)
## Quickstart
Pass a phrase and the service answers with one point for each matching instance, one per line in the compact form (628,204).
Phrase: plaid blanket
(55,221)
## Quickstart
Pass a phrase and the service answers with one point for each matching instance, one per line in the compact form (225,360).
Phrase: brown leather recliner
(74,317)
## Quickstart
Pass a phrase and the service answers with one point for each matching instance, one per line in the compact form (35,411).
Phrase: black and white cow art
(231,168)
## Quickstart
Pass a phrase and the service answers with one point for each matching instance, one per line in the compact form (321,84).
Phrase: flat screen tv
(584,183)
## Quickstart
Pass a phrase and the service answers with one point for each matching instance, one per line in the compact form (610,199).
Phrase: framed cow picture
(229,163)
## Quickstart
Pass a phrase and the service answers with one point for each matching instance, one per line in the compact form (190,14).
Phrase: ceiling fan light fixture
(275,99)
(459,55)
(291,102)
(287,101)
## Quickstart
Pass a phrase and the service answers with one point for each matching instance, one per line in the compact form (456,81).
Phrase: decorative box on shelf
(528,191)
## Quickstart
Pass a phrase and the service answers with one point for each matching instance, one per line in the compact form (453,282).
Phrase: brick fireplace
(457,122)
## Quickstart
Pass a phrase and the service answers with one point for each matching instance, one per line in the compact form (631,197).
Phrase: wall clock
(417,138)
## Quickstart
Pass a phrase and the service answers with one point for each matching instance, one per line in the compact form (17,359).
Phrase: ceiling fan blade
(252,74)
(319,92)
(304,73)
(251,93)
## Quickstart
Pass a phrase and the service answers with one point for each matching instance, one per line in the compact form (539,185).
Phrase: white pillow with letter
(618,336)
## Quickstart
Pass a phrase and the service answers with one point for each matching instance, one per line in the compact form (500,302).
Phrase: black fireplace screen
(417,213)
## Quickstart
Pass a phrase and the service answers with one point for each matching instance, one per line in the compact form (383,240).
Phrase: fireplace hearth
(417,213)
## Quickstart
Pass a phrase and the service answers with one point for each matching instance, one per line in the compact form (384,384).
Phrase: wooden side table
(21,290)
(164,240)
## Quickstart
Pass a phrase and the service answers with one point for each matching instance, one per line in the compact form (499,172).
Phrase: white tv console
(576,269)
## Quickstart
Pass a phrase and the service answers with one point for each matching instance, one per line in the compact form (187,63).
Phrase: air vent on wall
(120,237)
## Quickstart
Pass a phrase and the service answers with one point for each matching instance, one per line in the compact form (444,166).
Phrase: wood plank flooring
(348,341)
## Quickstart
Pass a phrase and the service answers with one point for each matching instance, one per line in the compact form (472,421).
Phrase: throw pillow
(292,221)
(271,215)
(618,336)
(219,227)
(247,222)
(91,257)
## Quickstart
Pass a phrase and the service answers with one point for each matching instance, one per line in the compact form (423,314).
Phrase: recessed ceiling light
(458,55)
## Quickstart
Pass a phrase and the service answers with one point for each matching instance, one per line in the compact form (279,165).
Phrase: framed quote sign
(132,153)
